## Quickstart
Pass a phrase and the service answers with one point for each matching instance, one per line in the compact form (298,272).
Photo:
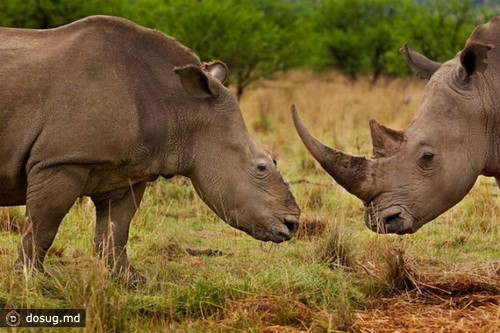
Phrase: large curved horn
(354,173)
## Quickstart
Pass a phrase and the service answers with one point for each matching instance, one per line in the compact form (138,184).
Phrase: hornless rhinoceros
(101,106)
(420,173)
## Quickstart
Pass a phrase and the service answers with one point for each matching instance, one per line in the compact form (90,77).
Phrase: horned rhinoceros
(101,106)
(421,172)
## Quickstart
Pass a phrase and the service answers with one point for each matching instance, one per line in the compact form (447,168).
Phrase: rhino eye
(261,168)
(426,160)
(428,157)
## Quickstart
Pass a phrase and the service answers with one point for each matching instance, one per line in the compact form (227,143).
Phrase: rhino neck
(491,100)
(178,152)
(202,141)
(492,167)
(488,34)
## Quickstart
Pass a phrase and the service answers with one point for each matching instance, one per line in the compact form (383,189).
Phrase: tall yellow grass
(336,109)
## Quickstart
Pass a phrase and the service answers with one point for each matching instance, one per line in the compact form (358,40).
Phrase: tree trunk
(239,91)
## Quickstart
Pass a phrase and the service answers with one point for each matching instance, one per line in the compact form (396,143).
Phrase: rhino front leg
(114,213)
(498,182)
(50,194)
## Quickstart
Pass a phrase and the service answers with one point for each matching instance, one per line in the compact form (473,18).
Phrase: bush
(258,38)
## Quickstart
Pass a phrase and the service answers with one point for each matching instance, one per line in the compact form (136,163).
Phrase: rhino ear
(218,70)
(419,64)
(197,83)
(386,141)
(472,59)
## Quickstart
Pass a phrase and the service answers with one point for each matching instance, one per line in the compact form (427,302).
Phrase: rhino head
(419,173)
(234,175)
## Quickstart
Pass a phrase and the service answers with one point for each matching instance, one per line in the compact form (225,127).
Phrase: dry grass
(336,109)
(393,273)
(311,227)
(336,250)
(458,299)
(11,219)
(413,313)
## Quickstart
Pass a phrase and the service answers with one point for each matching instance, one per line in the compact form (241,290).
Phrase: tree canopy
(258,38)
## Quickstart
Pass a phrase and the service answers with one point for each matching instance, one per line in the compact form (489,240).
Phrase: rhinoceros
(100,107)
(419,173)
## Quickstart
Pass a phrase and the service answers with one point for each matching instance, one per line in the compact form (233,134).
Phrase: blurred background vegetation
(259,38)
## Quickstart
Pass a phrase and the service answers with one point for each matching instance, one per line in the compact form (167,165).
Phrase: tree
(362,36)
(438,28)
(239,32)
(356,33)
(258,38)
(43,14)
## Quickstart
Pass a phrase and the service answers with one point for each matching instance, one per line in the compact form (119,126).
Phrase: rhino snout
(284,231)
(392,220)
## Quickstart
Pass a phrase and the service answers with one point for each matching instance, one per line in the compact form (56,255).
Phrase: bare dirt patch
(448,301)
(416,312)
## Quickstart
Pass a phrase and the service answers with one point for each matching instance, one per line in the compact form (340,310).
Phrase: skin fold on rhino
(417,174)
(102,106)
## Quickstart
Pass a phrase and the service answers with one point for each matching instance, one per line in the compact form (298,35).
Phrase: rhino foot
(130,277)
(28,267)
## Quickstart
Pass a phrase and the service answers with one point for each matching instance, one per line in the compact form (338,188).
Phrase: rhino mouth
(276,230)
(282,231)
(391,220)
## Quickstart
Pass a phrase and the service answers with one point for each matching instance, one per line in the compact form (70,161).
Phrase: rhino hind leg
(114,212)
(50,194)
(498,182)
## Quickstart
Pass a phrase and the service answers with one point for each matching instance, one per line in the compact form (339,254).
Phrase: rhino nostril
(292,224)
(392,218)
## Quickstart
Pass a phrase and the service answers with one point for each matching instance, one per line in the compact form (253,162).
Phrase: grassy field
(336,275)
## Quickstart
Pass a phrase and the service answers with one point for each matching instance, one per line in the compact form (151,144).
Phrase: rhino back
(98,91)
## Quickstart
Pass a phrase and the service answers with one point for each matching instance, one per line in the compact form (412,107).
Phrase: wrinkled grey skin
(101,106)
(421,172)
